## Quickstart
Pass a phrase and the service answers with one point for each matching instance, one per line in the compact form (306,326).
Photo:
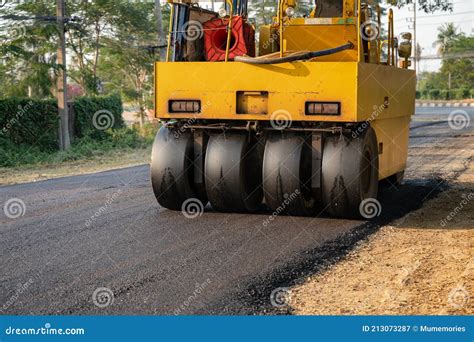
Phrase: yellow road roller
(301,116)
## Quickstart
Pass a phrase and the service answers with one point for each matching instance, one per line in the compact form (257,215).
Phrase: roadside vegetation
(455,78)
(29,131)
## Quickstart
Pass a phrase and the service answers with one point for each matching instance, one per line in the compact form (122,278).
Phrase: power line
(436,15)
(449,56)
(431,24)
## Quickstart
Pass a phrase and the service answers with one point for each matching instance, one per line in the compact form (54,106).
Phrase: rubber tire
(172,169)
(287,175)
(349,173)
(233,170)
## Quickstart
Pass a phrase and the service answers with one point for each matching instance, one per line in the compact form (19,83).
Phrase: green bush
(31,136)
(25,121)
(444,94)
(12,155)
(434,94)
(96,116)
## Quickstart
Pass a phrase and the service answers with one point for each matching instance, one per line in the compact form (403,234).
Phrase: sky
(427,27)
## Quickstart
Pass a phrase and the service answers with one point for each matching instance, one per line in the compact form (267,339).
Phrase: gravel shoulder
(421,264)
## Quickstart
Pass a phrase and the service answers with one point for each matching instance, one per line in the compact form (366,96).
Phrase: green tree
(126,63)
(447,34)
(28,49)
(456,76)
(263,10)
(429,6)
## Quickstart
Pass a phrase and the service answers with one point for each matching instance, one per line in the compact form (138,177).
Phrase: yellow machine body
(381,94)
(346,79)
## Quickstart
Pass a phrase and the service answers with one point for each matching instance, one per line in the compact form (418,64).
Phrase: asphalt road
(155,261)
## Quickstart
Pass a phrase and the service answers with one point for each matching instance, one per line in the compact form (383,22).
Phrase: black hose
(294,58)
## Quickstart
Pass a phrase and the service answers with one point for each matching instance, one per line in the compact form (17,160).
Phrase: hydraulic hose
(294,57)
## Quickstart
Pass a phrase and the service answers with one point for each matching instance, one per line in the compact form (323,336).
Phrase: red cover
(215,38)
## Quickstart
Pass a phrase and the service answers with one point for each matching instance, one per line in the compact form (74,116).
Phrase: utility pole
(414,36)
(449,85)
(64,139)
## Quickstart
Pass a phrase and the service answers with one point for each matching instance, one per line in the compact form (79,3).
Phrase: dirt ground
(423,264)
(115,160)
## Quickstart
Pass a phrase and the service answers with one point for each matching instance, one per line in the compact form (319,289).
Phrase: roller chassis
(306,170)
(345,114)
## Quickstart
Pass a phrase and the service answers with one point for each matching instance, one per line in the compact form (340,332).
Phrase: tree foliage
(108,46)
(456,76)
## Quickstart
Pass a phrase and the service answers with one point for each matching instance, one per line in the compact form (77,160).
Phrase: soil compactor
(305,122)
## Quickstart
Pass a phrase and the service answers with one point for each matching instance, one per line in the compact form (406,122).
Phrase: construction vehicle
(306,121)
